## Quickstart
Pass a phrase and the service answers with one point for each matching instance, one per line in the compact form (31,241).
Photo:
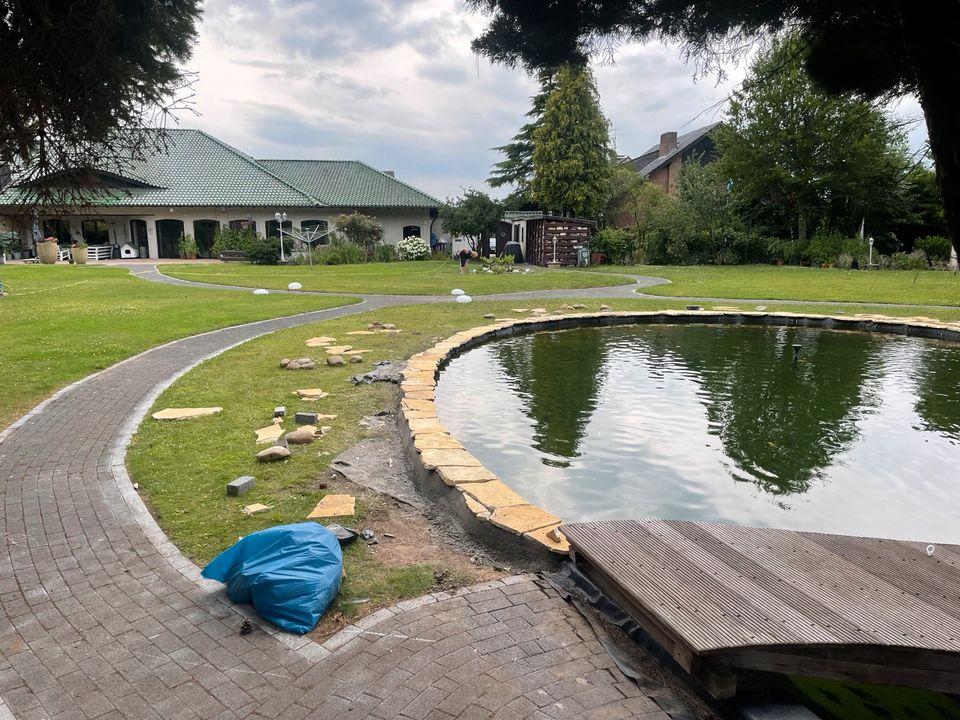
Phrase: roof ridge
(253,161)
(395,179)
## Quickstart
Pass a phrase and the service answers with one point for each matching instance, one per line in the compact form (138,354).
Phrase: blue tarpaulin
(289,573)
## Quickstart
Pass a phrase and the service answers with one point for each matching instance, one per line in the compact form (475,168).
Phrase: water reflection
(558,376)
(714,423)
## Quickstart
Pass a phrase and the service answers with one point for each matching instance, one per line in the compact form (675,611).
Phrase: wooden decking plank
(646,576)
(885,616)
(885,560)
(745,597)
(773,584)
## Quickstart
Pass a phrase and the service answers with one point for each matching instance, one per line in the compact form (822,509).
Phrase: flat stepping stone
(320,341)
(312,394)
(355,352)
(269,434)
(436,441)
(551,538)
(432,459)
(334,506)
(492,494)
(255,508)
(338,349)
(362,332)
(521,310)
(452,475)
(522,519)
(185,413)
(419,405)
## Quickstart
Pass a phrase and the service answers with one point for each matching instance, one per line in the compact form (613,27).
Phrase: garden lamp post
(870,244)
(281,219)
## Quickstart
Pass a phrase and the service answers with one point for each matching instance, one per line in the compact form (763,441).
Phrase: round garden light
(456,291)
(261,291)
(464,298)
(294,286)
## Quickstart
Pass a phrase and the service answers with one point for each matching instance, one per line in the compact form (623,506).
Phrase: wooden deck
(721,597)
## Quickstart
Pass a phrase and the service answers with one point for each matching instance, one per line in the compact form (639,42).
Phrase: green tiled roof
(348,183)
(197,169)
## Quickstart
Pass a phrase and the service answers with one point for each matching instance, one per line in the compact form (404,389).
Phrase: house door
(138,237)
(169,233)
(204,233)
(504,232)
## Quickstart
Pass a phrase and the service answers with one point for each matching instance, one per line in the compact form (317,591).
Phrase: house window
(95,232)
(273,228)
(59,229)
(411,231)
(241,225)
(317,229)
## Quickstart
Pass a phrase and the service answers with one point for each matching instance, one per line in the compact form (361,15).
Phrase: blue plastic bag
(289,573)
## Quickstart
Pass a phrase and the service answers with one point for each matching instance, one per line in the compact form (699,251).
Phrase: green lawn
(60,323)
(770,282)
(401,278)
(182,467)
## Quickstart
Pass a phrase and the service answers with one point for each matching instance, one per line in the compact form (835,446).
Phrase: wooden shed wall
(568,233)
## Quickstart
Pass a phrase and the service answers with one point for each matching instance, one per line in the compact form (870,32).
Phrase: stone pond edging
(482,502)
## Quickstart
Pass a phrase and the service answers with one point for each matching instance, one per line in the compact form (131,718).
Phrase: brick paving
(103,618)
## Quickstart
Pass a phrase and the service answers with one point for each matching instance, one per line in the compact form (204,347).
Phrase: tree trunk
(930,37)
(802,225)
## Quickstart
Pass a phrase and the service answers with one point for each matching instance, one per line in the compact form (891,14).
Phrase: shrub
(227,239)
(264,251)
(825,248)
(917,260)
(342,252)
(845,261)
(747,247)
(188,246)
(413,248)
(497,265)
(616,243)
(936,248)
(384,253)
(360,229)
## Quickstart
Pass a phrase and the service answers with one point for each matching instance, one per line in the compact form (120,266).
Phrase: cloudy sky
(393,83)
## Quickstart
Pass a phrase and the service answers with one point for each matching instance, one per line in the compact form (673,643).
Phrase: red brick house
(662,163)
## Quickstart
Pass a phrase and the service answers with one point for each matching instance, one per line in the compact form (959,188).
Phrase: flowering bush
(413,248)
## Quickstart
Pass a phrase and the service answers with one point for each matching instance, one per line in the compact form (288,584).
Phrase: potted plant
(188,247)
(48,251)
(79,252)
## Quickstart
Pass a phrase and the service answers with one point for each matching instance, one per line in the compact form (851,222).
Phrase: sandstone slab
(452,475)
(185,413)
(269,434)
(551,538)
(433,459)
(436,441)
(492,494)
(522,519)
(334,506)
(255,508)
(418,427)
(320,341)
(312,394)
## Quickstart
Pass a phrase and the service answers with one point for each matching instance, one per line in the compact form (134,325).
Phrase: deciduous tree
(877,50)
(804,158)
(474,216)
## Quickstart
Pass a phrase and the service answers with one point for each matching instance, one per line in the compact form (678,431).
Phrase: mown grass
(61,323)
(400,278)
(182,468)
(769,282)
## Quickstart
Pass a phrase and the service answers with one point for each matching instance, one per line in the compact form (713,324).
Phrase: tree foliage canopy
(80,82)
(572,159)
(799,156)
(516,168)
(361,230)
(474,216)
(874,49)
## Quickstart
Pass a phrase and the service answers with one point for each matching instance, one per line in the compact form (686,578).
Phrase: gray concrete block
(240,485)
(306,418)
(279,411)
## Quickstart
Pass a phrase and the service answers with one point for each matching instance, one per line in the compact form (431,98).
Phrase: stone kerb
(483,503)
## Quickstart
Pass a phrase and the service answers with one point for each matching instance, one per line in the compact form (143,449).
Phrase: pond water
(716,423)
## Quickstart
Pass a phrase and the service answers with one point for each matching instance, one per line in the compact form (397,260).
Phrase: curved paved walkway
(103,618)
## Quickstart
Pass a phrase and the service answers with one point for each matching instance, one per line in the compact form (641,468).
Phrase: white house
(199,184)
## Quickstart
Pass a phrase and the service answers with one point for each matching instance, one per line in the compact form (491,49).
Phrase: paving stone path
(101,617)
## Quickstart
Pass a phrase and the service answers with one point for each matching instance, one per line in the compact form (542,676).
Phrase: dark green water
(715,423)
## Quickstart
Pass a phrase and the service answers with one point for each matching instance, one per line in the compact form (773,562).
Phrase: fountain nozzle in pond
(796,353)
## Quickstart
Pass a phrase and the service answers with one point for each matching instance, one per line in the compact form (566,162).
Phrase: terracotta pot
(79,255)
(48,252)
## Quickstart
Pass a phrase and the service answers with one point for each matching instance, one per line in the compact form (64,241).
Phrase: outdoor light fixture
(281,219)
(870,243)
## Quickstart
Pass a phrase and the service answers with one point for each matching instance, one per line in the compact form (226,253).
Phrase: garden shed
(545,238)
